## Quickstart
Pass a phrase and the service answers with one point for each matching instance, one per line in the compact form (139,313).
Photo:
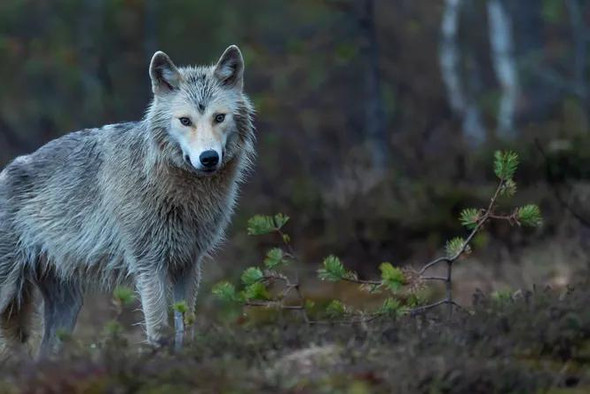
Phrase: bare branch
(434,278)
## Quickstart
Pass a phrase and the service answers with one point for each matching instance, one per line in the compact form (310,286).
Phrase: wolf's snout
(209,159)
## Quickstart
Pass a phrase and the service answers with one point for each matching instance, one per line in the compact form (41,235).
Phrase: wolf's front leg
(185,287)
(152,291)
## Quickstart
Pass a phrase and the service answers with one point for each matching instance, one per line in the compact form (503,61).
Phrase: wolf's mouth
(205,172)
(208,172)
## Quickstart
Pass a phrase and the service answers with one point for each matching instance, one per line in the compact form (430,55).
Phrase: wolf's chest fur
(186,217)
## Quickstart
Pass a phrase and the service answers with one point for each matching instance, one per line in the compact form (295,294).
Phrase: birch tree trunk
(501,42)
(450,63)
(374,109)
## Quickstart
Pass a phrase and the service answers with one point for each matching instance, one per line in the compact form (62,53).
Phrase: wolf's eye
(219,118)
(185,121)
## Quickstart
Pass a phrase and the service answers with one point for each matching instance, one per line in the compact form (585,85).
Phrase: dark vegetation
(529,341)
(267,286)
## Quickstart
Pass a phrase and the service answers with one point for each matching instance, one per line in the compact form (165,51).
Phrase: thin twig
(366,319)
(434,278)
(363,282)
(424,308)
(290,251)
(449,288)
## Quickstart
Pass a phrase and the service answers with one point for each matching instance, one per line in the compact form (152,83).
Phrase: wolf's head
(201,116)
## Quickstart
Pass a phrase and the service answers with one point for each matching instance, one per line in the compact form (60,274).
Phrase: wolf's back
(53,208)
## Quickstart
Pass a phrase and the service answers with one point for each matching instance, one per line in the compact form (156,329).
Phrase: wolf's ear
(230,68)
(164,74)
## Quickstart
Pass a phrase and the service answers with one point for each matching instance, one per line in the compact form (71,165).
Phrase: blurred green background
(376,121)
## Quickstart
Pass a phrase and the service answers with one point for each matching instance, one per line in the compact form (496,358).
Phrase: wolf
(141,202)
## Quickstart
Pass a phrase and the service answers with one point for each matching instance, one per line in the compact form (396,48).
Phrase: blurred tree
(374,111)
(91,25)
(580,38)
(462,103)
(151,28)
(501,39)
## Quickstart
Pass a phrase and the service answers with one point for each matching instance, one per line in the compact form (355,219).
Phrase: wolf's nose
(209,158)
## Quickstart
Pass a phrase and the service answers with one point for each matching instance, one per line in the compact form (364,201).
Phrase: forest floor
(527,342)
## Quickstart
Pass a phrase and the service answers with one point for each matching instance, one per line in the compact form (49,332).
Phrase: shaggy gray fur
(99,206)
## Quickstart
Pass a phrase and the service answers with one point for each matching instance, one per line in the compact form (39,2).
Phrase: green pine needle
(508,188)
(256,291)
(225,292)
(252,275)
(469,217)
(530,215)
(505,164)
(454,246)
(180,307)
(393,278)
(260,225)
(124,295)
(280,220)
(274,258)
(336,309)
(332,270)
(390,306)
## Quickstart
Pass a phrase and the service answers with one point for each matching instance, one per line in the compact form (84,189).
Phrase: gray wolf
(141,201)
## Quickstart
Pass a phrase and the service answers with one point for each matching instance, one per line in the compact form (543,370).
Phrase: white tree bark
(449,57)
(501,42)
(374,108)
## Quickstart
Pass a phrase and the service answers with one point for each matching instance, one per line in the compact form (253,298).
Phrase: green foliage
(508,188)
(454,246)
(505,164)
(280,220)
(501,296)
(336,309)
(124,296)
(260,225)
(252,275)
(180,307)
(226,292)
(256,291)
(390,306)
(332,269)
(414,300)
(275,258)
(469,217)
(529,215)
(113,328)
(392,277)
